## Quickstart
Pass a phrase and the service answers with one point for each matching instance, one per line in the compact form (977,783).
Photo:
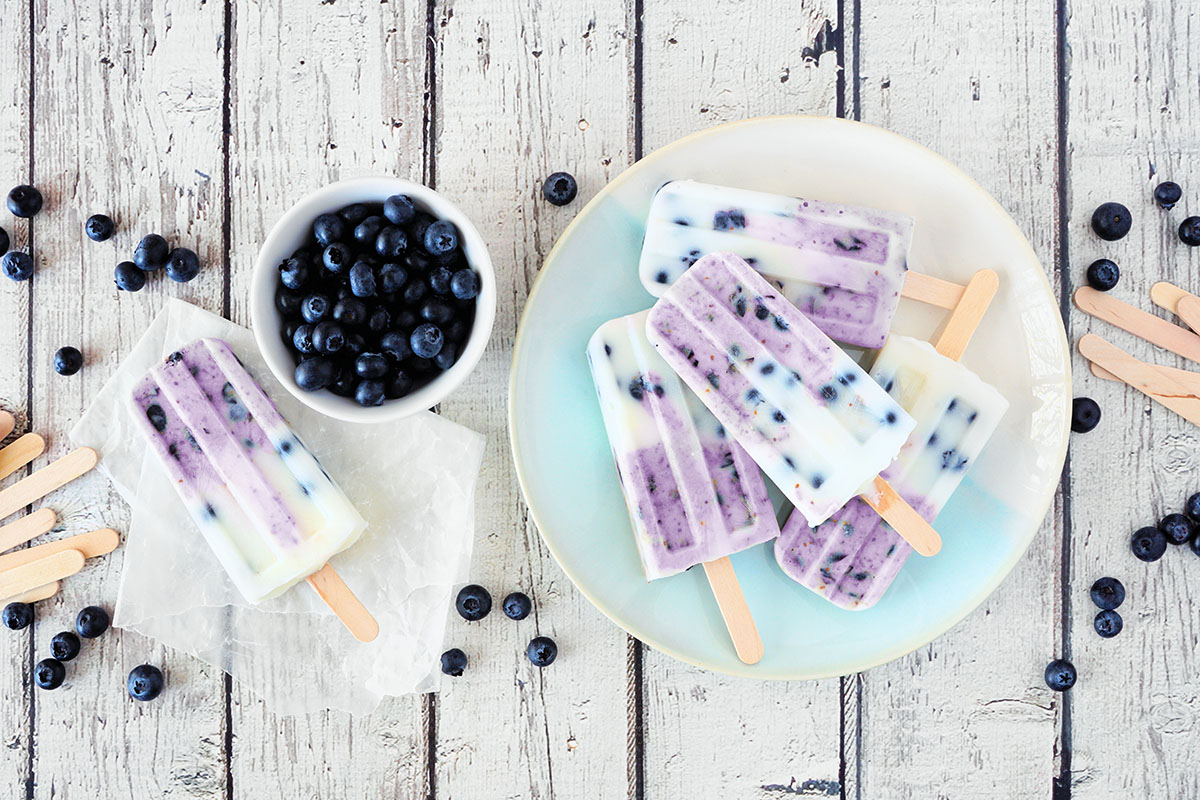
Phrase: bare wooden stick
(1188,310)
(1138,322)
(28,577)
(931,290)
(1146,378)
(968,312)
(1188,380)
(1166,295)
(26,528)
(20,453)
(349,609)
(90,545)
(7,423)
(46,480)
(34,595)
(904,519)
(738,620)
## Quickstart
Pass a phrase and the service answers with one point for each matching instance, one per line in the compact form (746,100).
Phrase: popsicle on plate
(694,496)
(262,501)
(843,266)
(852,558)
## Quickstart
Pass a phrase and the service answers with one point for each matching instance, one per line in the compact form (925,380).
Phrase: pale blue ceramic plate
(563,459)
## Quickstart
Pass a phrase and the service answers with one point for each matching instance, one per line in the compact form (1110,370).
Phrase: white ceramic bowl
(291,231)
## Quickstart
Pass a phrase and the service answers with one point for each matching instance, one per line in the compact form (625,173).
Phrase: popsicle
(694,496)
(852,558)
(843,266)
(818,426)
(262,501)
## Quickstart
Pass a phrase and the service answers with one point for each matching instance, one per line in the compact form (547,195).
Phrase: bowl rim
(266,322)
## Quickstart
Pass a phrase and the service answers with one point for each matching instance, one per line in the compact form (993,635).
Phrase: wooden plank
(707,63)
(975,82)
(525,89)
(361,64)
(130,99)
(1133,115)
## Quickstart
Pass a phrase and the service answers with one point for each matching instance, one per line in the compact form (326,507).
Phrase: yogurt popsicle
(262,501)
(852,558)
(843,266)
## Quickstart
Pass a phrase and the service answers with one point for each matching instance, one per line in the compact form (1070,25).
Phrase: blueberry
(1192,507)
(68,360)
(344,291)
(151,253)
(464,284)
(405,318)
(1189,231)
(99,227)
(17,265)
(473,602)
(1060,675)
(417,260)
(288,333)
(1111,221)
(346,383)
(542,651)
(399,210)
(434,310)
(336,258)
(517,605)
(183,265)
(4,241)
(328,228)
(378,320)
(1085,415)
(412,293)
(315,373)
(1103,274)
(1176,527)
(457,330)
(24,201)
(454,661)
(391,278)
(17,616)
(1108,623)
(314,308)
(420,224)
(395,344)
(287,302)
(302,340)
(64,646)
(1196,544)
(354,213)
(391,243)
(1148,544)
(426,340)
(145,682)
(1108,593)
(1167,194)
(441,238)
(328,337)
(446,358)
(128,277)
(293,273)
(362,279)
(91,622)
(369,393)
(439,280)
(398,384)
(49,673)
(368,230)
(351,312)
(420,366)
(371,365)
(560,188)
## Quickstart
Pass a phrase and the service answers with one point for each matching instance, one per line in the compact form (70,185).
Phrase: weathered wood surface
(200,122)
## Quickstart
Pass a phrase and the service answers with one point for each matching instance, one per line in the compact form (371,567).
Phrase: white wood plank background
(206,120)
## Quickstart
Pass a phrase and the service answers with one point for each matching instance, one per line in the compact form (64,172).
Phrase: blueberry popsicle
(694,496)
(843,266)
(852,558)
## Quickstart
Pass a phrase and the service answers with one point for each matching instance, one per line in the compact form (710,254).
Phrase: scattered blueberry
(441,238)
(1195,544)
(1108,623)
(151,253)
(99,227)
(64,646)
(1189,231)
(4,241)
(1176,527)
(1085,415)
(1167,194)
(17,265)
(145,682)
(68,360)
(128,277)
(24,201)
(328,228)
(1192,507)
(454,661)
(182,265)
(328,337)
(464,284)
(1111,221)
(17,616)
(473,602)
(1148,544)
(1108,593)
(542,651)
(1060,675)
(49,673)
(91,622)
(362,279)
(560,188)
(399,210)
(517,605)
(1103,274)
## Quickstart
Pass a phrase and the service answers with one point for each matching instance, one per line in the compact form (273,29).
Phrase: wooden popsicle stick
(7,423)
(1141,323)
(931,290)
(738,620)
(904,519)
(1166,295)
(965,317)
(20,453)
(1188,310)
(26,528)
(34,595)
(1186,379)
(28,577)
(46,480)
(349,609)
(89,545)
(1144,377)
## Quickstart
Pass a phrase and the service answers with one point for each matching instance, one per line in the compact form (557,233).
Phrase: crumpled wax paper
(412,480)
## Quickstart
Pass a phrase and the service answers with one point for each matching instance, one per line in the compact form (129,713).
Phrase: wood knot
(1177,453)
(1171,716)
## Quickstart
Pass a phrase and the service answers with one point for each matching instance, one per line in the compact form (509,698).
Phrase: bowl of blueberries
(373,299)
